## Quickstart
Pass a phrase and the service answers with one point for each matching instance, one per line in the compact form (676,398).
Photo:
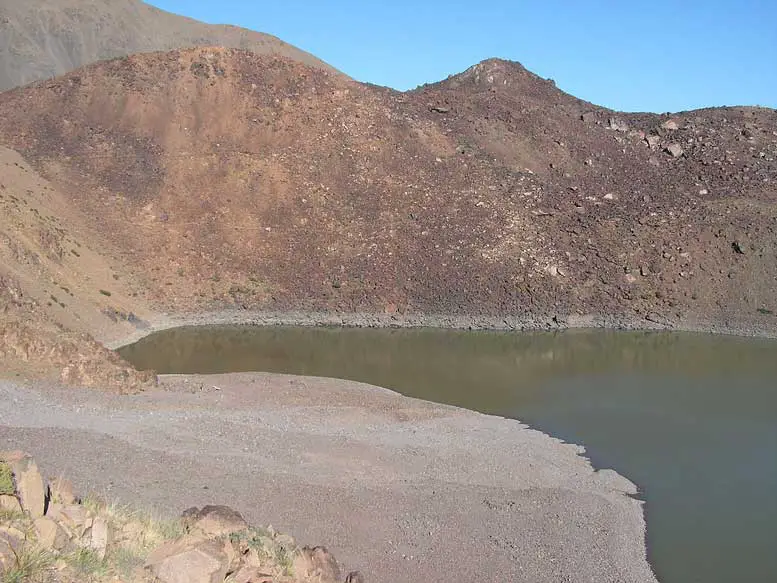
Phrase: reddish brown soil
(217,178)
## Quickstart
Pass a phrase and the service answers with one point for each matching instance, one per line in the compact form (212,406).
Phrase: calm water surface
(691,419)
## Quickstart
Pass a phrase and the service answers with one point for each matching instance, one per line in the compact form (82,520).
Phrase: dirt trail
(403,489)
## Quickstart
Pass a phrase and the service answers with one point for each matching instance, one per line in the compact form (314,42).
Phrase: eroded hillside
(53,294)
(216,179)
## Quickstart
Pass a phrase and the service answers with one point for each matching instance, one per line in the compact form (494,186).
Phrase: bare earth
(403,489)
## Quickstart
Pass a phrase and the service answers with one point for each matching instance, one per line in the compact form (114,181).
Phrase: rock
(657,318)
(317,563)
(61,491)
(618,125)
(653,141)
(76,519)
(704,192)
(675,150)
(10,503)
(7,556)
(355,577)
(11,542)
(588,117)
(609,196)
(738,248)
(248,574)
(29,483)
(233,552)
(644,270)
(439,109)
(188,560)
(54,510)
(214,520)
(50,534)
(101,536)
(670,125)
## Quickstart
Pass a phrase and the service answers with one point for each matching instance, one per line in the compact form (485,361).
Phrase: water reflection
(692,419)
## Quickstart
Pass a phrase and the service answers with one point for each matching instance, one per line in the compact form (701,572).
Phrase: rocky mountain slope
(217,179)
(52,288)
(40,39)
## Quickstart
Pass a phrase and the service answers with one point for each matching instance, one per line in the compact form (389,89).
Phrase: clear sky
(632,55)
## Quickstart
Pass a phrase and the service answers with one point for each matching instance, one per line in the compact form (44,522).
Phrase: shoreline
(378,491)
(167,321)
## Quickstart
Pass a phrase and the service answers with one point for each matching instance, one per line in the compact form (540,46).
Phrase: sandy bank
(403,489)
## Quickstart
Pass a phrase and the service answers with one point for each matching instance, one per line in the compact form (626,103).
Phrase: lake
(690,418)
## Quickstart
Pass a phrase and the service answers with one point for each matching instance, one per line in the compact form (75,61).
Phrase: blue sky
(632,55)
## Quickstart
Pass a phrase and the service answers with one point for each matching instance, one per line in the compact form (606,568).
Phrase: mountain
(216,179)
(40,39)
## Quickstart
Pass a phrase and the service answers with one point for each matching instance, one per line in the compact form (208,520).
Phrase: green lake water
(690,418)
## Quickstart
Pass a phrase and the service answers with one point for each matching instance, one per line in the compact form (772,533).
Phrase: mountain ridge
(217,179)
(46,38)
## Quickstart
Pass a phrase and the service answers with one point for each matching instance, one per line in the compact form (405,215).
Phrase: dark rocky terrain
(207,180)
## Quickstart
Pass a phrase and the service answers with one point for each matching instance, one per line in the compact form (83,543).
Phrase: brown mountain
(213,179)
(40,39)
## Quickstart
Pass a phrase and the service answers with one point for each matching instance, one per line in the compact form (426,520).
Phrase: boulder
(11,542)
(676,150)
(214,521)
(9,547)
(190,559)
(618,125)
(54,510)
(50,534)
(29,483)
(318,564)
(101,536)
(76,519)
(670,125)
(10,503)
(61,491)
(248,574)
(354,577)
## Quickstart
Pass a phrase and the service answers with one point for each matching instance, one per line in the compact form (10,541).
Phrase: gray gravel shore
(402,489)
(738,327)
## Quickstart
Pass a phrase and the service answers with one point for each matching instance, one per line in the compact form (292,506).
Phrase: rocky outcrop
(28,337)
(48,534)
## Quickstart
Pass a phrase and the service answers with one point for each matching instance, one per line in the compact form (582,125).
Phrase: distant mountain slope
(40,39)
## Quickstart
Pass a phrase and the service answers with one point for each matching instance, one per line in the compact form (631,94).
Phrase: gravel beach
(402,489)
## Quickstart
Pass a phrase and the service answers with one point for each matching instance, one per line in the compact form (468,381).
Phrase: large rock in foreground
(93,539)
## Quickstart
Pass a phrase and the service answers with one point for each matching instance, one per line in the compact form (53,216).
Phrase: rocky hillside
(40,39)
(213,179)
(53,295)
(49,535)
